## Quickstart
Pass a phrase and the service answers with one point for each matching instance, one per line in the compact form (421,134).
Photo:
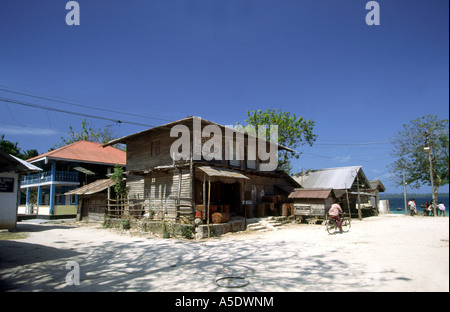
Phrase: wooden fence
(141,208)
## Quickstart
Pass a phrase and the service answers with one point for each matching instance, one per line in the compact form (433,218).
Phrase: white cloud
(16,130)
(342,158)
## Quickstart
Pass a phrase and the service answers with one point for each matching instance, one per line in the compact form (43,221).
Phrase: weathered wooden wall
(317,207)
(260,186)
(142,156)
(165,195)
(93,206)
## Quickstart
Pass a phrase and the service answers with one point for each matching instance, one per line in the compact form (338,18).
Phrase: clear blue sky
(169,59)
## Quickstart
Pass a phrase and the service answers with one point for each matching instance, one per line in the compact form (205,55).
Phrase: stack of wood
(287,209)
(221,216)
(272,205)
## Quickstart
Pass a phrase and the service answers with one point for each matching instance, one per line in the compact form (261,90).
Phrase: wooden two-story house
(176,170)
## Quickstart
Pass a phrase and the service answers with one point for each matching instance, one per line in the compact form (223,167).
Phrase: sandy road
(386,253)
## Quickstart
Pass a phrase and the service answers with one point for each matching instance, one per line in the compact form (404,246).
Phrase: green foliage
(87,133)
(187,232)
(125,224)
(167,229)
(120,186)
(13,149)
(106,222)
(293,132)
(426,131)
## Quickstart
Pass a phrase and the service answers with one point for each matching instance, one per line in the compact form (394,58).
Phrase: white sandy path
(386,253)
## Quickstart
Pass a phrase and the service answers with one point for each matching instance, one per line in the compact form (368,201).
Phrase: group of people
(427,208)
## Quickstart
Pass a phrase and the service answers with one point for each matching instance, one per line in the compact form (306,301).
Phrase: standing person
(441,208)
(334,212)
(425,208)
(432,210)
(412,206)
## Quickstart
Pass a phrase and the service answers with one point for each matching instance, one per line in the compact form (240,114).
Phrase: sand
(385,253)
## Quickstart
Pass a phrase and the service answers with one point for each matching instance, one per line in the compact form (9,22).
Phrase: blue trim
(39,196)
(28,196)
(76,200)
(53,188)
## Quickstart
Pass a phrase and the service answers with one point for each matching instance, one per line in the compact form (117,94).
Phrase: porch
(47,178)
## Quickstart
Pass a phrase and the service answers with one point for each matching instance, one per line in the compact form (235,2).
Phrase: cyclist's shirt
(335,210)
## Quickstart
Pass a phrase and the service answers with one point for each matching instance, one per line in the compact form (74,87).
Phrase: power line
(12,101)
(79,105)
(351,142)
(341,157)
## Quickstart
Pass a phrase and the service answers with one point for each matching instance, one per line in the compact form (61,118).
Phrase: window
(60,199)
(251,157)
(73,199)
(235,153)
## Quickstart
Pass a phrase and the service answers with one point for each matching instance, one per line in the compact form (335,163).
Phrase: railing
(140,208)
(123,207)
(46,176)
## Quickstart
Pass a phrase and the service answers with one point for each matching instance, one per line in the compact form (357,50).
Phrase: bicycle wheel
(331,226)
(346,225)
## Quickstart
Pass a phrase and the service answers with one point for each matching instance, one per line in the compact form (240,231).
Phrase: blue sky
(168,59)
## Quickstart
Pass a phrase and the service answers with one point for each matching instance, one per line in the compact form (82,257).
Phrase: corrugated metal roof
(335,178)
(11,163)
(92,188)
(86,152)
(376,184)
(311,193)
(30,167)
(221,172)
(186,121)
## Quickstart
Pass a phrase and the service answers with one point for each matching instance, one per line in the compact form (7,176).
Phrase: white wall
(383,206)
(8,203)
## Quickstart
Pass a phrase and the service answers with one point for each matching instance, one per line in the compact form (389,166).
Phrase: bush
(187,232)
(125,224)
(106,223)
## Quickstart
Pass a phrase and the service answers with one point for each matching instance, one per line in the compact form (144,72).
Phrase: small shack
(376,188)
(11,169)
(93,199)
(312,203)
(349,184)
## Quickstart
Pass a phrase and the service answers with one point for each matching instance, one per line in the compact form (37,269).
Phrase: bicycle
(332,226)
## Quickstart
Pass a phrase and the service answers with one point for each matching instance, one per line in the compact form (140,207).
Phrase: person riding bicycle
(334,212)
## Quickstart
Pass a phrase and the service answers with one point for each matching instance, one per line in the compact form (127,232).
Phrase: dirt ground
(385,253)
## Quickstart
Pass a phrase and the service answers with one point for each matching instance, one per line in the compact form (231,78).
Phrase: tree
(120,186)
(87,133)
(427,131)
(9,147)
(14,149)
(293,132)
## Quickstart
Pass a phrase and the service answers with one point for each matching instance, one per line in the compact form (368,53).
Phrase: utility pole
(429,150)
(359,198)
(404,193)
(348,202)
